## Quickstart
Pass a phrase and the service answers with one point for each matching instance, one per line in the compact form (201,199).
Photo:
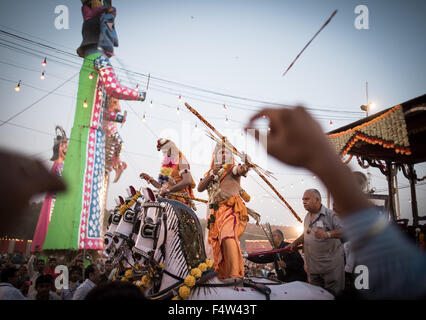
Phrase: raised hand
(22,178)
(295,138)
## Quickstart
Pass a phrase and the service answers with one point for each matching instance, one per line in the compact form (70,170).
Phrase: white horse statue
(120,237)
(168,246)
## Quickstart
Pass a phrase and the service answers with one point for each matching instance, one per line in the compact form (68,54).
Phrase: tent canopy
(397,134)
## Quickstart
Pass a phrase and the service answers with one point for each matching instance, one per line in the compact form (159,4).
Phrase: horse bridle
(150,229)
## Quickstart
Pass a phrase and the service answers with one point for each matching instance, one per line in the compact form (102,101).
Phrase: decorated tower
(78,214)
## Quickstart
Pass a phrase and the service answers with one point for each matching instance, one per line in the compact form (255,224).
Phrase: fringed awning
(388,130)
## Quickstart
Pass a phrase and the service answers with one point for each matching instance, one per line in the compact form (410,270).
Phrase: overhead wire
(135,73)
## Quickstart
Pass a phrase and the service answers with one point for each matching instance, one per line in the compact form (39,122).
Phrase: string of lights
(37,101)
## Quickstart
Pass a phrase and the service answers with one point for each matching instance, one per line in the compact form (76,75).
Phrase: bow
(256,168)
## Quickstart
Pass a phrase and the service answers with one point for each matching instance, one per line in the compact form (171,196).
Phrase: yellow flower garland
(209,263)
(165,171)
(124,207)
(184,292)
(191,279)
(196,273)
(145,281)
(128,274)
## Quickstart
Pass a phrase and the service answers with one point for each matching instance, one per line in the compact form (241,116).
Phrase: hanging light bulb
(196,127)
(177,110)
(44,62)
(292,186)
(180,98)
(226,120)
(150,104)
(18,87)
(137,86)
(91,76)
(85,103)
(42,77)
(331,123)
(302,181)
(224,107)
(144,118)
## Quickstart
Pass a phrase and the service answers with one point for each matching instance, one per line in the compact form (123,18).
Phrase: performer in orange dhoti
(228,214)
(175,179)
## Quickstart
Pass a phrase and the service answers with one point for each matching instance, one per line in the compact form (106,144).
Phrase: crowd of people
(33,278)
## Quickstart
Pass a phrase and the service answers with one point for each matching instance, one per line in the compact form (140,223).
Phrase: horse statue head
(170,243)
(120,236)
(113,221)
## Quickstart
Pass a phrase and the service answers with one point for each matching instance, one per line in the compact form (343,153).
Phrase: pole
(414,208)
(397,194)
(366,90)
(328,198)
(389,175)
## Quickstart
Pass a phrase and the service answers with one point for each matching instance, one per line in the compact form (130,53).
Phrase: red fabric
(54,276)
(21,246)
(89,13)
(4,245)
(52,273)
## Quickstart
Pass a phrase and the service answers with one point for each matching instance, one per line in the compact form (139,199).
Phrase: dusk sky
(209,51)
